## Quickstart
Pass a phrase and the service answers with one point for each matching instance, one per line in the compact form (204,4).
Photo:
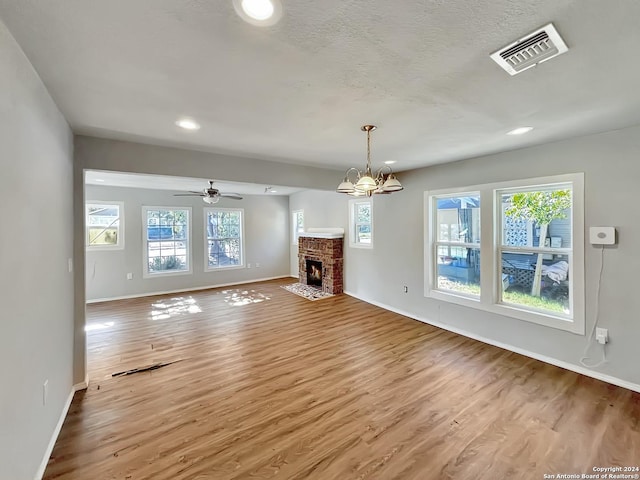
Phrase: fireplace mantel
(325,232)
(321,235)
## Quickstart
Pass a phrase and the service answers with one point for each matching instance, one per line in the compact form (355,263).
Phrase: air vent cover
(537,47)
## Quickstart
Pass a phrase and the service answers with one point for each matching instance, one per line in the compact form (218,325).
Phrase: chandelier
(365,183)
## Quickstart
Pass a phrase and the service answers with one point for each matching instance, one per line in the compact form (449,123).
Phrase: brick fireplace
(321,248)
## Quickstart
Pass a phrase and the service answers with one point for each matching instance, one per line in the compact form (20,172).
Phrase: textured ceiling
(300,90)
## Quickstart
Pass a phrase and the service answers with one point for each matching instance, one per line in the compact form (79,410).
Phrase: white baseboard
(54,437)
(543,358)
(182,290)
(82,385)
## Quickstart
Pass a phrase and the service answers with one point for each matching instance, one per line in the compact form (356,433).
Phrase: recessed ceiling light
(261,13)
(188,124)
(520,131)
(258,9)
(389,162)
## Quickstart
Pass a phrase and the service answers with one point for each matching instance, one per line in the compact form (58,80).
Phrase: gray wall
(113,155)
(321,209)
(266,241)
(612,171)
(36,324)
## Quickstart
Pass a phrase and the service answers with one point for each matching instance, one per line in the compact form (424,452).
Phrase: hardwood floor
(271,385)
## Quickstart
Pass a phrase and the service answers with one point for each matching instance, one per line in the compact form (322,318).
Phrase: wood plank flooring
(274,386)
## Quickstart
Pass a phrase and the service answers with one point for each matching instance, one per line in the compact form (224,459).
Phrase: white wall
(321,209)
(612,171)
(266,241)
(36,291)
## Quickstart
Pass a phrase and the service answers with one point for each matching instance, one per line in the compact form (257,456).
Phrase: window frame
(120,243)
(295,233)
(145,243)
(434,243)
(353,224)
(491,247)
(208,268)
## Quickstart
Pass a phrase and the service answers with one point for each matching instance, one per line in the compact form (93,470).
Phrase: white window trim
(432,246)
(207,268)
(120,244)
(145,244)
(491,266)
(352,223)
(294,225)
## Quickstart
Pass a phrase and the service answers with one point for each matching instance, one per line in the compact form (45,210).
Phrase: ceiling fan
(209,195)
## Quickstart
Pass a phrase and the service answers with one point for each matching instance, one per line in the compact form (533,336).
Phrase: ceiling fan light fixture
(211,200)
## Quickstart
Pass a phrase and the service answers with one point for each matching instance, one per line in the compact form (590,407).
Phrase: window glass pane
(529,215)
(363,233)
(103,225)
(518,279)
(167,263)
(224,242)
(167,240)
(363,213)
(458,219)
(458,270)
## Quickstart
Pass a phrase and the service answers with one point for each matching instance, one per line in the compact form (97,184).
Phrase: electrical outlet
(45,392)
(602,335)
(257,265)
(248,265)
(129,276)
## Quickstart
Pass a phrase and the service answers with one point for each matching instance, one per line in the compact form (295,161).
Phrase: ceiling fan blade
(234,196)
(194,194)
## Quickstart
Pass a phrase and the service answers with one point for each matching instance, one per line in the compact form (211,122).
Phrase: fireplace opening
(314,273)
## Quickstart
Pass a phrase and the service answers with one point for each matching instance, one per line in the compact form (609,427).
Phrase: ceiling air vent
(537,47)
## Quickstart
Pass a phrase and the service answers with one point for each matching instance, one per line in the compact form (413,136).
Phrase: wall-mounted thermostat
(602,235)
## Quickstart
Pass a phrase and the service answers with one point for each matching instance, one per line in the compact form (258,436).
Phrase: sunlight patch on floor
(238,298)
(98,326)
(174,307)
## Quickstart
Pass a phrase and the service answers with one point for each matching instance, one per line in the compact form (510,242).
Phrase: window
(532,261)
(456,246)
(297,225)
(361,223)
(536,273)
(223,242)
(166,240)
(104,225)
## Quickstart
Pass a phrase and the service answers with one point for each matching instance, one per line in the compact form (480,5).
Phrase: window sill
(539,318)
(166,274)
(361,245)
(208,269)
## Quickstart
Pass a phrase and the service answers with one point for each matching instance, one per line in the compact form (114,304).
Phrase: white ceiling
(300,90)
(180,184)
